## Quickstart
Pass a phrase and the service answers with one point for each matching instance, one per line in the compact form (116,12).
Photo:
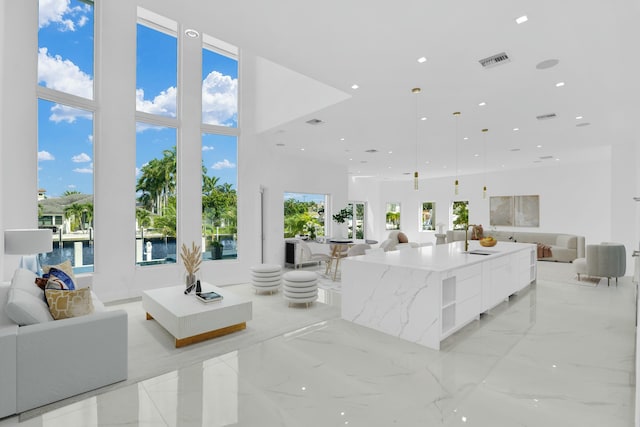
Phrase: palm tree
(74,213)
(144,218)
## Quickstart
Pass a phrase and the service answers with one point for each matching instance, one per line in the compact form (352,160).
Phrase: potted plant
(343,215)
(216,249)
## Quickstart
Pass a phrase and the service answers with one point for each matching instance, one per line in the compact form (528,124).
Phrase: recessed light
(422,59)
(539,146)
(578,117)
(482,104)
(388,167)
(302,149)
(516,129)
(548,63)
(423,118)
(559,84)
(191,33)
(522,19)
(350,159)
(465,138)
(341,139)
(476,155)
(390,152)
(354,87)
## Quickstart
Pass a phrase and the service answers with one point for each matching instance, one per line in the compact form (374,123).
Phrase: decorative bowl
(488,243)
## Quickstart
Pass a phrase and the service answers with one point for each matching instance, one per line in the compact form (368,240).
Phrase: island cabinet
(426,294)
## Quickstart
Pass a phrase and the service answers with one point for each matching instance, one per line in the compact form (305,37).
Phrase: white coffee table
(191,321)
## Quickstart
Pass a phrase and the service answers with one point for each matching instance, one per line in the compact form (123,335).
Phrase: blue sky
(65,135)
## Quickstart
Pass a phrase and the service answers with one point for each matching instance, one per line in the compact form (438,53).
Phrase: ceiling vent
(546,116)
(546,157)
(495,60)
(372,150)
(315,122)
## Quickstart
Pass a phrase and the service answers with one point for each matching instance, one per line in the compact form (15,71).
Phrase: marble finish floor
(560,353)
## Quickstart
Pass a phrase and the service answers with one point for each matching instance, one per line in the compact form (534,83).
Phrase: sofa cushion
(25,302)
(58,279)
(565,241)
(64,304)
(64,266)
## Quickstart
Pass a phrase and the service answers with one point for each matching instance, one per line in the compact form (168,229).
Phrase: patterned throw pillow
(60,278)
(64,304)
(64,266)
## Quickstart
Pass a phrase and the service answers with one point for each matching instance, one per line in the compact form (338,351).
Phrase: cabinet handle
(636,253)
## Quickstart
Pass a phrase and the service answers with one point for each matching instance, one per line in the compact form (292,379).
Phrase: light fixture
(484,188)
(416,91)
(28,242)
(354,87)
(559,84)
(191,33)
(522,19)
(482,104)
(422,59)
(456,115)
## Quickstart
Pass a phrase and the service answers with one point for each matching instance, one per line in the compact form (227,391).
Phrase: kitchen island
(425,294)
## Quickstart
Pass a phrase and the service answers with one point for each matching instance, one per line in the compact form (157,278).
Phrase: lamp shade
(27,241)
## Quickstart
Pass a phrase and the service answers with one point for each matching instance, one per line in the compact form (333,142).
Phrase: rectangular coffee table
(191,321)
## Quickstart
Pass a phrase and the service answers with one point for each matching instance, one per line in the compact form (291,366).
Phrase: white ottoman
(580,265)
(266,277)
(300,286)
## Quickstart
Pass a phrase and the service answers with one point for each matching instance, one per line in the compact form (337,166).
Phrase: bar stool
(266,277)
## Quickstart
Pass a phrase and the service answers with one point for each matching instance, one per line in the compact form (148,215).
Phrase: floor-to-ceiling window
(66,109)
(219,149)
(356,225)
(156,140)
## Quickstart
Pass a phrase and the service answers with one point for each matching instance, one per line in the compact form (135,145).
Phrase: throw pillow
(25,301)
(64,266)
(402,238)
(60,277)
(64,304)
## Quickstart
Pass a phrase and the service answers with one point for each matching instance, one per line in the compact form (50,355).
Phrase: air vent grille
(492,61)
(546,116)
(546,157)
(315,122)
(372,150)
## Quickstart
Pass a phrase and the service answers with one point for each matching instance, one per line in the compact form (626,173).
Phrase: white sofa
(55,359)
(564,247)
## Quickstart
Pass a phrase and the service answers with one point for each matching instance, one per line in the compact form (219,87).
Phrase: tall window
(392,216)
(219,150)
(156,140)
(304,215)
(65,129)
(459,214)
(428,216)
(356,224)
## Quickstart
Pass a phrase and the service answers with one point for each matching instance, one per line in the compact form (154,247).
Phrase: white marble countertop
(440,257)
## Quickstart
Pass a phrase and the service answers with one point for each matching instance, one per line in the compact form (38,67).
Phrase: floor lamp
(28,243)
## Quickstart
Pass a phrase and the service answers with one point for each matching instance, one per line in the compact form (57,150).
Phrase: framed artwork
(501,210)
(527,211)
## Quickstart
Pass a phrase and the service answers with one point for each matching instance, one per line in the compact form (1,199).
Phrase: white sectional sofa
(564,247)
(49,360)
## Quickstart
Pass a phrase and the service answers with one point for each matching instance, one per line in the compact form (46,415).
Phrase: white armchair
(603,260)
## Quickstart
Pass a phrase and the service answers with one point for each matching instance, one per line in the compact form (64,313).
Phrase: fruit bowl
(488,242)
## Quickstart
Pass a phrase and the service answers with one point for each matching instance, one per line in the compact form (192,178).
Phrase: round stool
(266,277)
(300,286)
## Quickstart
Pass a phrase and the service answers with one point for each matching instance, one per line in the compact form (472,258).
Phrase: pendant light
(416,91)
(456,115)
(484,137)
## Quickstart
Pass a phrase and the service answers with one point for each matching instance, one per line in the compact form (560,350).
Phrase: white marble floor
(561,353)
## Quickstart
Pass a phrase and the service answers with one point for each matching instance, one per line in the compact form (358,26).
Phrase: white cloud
(64,113)
(81,158)
(219,99)
(90,138)
(59,12)
(225,164)
(208,148)
(45,155)
(84,170)
(163,104)
(71,186)
(63,75)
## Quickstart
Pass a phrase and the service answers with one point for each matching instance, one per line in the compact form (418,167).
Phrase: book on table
(209,296)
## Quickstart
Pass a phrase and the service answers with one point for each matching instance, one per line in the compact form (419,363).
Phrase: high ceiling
(376,45)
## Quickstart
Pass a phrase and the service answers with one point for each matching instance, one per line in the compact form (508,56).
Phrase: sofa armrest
(8,336)
(59,359)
